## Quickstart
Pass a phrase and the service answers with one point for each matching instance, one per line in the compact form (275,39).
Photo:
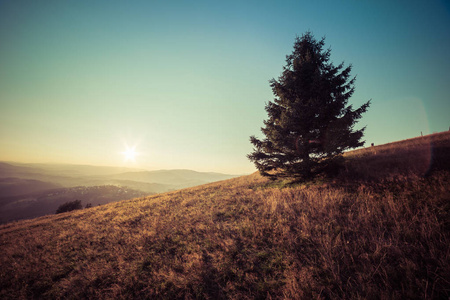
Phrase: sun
(130,154)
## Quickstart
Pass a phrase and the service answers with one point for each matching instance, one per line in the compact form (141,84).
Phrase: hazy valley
(33,190)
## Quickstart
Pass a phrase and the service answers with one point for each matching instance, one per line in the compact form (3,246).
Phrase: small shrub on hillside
(69,206)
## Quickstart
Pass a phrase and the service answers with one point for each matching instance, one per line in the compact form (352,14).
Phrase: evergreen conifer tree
(309,122)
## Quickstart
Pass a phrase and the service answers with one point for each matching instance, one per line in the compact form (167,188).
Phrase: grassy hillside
(380,230)
(419,156)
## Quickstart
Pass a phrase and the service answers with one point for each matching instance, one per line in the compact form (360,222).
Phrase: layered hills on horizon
(32,190)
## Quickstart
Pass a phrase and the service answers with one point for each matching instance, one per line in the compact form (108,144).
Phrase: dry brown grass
(244,238)
(417,156)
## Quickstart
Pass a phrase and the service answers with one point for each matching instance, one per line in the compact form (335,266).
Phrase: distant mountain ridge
(28,190)
(11,186)
(179,177)
(76,175)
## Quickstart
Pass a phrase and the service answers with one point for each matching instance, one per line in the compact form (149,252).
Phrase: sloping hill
(244,238)
(418,156)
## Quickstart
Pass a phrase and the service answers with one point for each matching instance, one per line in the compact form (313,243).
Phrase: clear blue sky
(186,82)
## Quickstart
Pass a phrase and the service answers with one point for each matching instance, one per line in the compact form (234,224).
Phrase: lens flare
(130,154)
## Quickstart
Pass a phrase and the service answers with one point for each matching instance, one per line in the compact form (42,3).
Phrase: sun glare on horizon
(130,154)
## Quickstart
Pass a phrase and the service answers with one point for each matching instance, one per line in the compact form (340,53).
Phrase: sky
(185,83)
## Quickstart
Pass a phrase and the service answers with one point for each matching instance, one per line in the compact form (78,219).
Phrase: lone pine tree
(309,122)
